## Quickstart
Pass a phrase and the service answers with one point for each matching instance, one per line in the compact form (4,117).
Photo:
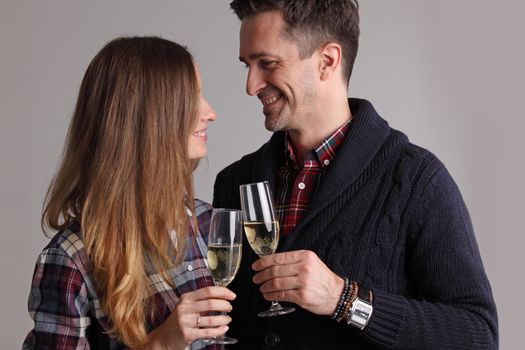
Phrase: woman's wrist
(158,342)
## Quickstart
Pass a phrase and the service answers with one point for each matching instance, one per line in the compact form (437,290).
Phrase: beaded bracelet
(340,305)
(349,301)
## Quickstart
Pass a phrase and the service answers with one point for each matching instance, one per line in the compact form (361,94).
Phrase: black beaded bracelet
(340,305)
(354,289)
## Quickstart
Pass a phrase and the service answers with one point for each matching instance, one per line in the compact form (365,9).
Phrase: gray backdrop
(448,73)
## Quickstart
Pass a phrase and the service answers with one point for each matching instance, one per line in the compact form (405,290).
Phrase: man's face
(285,84)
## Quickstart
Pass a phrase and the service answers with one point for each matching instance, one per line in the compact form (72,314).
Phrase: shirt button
(271,339)
(326,162)
(301,185)
(190,267)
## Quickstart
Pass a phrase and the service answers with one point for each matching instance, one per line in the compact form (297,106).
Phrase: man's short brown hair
(312,23)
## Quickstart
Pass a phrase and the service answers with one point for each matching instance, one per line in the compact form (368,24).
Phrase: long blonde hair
(125,174)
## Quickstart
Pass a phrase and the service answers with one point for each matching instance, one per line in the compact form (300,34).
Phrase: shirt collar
(322,154)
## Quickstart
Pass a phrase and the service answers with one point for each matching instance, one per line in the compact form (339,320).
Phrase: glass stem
(275,306)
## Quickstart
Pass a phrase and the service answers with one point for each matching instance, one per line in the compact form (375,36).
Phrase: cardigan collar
(365,136)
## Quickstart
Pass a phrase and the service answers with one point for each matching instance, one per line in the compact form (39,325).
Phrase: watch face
(360,313)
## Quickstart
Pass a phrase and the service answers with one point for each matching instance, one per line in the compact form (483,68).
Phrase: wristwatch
(361,310)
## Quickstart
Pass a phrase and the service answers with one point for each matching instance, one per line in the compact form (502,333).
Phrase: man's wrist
(354,305)
(361,309)
(344,290)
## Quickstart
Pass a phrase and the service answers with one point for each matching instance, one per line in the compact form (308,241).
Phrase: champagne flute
(262,229)
(224,253)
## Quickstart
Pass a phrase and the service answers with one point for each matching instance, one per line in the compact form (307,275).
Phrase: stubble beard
(277,122)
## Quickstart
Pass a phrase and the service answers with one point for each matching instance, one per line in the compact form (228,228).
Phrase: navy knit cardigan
(388,215)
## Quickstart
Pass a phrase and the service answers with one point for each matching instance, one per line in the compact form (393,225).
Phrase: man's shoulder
(256,166)
(407,148)
(414,161)
(245,164)
(238,166)
(394,143)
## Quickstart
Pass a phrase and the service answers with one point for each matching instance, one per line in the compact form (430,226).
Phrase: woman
(127,266)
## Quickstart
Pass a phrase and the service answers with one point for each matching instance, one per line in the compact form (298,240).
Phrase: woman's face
(197,142)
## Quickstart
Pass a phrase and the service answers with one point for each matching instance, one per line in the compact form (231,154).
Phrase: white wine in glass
(224,261)
(261,229)
(263,238)
(224,253)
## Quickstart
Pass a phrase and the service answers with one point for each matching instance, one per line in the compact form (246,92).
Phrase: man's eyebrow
(256,55)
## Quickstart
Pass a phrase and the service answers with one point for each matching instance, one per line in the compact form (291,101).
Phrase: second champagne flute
(261,228)
(224,253)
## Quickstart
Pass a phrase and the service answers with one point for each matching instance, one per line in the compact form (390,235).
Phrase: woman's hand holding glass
(191,319)
(224,253)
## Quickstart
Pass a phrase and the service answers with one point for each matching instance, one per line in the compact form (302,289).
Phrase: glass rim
(226,210)
(255,183)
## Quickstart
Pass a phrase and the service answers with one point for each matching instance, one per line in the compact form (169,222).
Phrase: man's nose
(254,82)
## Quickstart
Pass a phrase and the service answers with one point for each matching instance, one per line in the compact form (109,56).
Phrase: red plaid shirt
(296,184)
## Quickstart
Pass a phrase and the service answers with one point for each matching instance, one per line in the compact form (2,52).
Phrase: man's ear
(330,55)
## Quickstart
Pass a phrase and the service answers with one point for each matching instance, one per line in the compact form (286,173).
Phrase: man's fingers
(276,271)
(292,296)
(280,259)
(280,284)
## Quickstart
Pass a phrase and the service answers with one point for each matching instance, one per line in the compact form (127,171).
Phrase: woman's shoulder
(68,240)
(67,248)
(202,207)
(203,213)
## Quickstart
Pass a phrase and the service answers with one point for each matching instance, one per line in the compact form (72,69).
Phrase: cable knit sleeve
(453,307)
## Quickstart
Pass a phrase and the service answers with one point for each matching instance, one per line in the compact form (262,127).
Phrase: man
(377,250)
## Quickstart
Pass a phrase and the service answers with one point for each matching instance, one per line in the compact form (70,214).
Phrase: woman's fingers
(191,318)
(214,321)
(212,292)
(203,333)
(204,321)
(205,327)
(209,305)
(206,300)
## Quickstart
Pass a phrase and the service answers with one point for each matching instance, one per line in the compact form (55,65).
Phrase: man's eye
(268,64)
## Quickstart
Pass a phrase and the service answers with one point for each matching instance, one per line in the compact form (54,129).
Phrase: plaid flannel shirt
(296,184)
(63,301)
